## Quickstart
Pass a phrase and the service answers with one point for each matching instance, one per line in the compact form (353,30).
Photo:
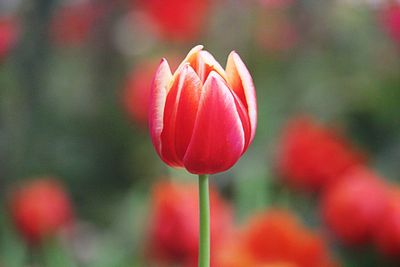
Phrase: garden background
(73,81)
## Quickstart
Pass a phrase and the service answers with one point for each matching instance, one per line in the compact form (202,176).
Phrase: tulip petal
(244,117)
(218,138)
(158,96)
(193,53)
(189,100)
(203,63)
(207,63)
(179,115)
(242,84)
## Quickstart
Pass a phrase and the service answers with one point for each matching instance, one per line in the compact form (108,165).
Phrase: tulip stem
(204,240)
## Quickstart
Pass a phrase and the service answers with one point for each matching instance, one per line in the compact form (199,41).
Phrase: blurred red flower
(387,236)
(73,23)
(311,156)
(136,93)
(353,208)
(390,17)
(9,31)
(40,209)
(174,223)
(275,239)
(180,20)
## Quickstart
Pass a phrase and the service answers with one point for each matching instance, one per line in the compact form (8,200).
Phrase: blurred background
(81,185)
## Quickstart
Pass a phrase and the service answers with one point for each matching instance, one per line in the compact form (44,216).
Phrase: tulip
(8,35)
(390,17)
(387,235)
(312,156)
(180,20)
(40,209)
(275,239)
(202,117)
(173,225)
(353,208)
(136,94)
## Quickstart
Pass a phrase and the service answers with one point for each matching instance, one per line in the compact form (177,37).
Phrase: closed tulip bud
(202,117)
(40,209)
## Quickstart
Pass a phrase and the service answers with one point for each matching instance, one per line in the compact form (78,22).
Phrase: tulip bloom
(353,208)
(136,93)
(40,209)
(387,234)
(174,223)
(202,117)
(275,239)
(8,35)
(390,17)
(312,156)
(180,20)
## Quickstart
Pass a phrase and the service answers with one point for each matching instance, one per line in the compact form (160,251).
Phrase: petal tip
(195,49)
(213,77)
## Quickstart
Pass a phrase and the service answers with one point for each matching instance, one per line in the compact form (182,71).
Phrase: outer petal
(158,96)
(244,117)
(218,138)
(242,84)
(179,116)
(189,100)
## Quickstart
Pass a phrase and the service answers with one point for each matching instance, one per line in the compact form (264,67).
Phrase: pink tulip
(202,117)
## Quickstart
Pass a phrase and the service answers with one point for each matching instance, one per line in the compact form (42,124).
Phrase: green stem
(204,241)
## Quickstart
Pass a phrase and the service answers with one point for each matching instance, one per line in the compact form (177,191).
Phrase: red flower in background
(353,208)
(390,17)
(9,31)
(40,209)
(313,157)
(174,223)
(177,19)
(73,23)
(136,94)
(275,239)
(387,236)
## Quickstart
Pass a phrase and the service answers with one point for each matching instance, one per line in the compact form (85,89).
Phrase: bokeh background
(321,179)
